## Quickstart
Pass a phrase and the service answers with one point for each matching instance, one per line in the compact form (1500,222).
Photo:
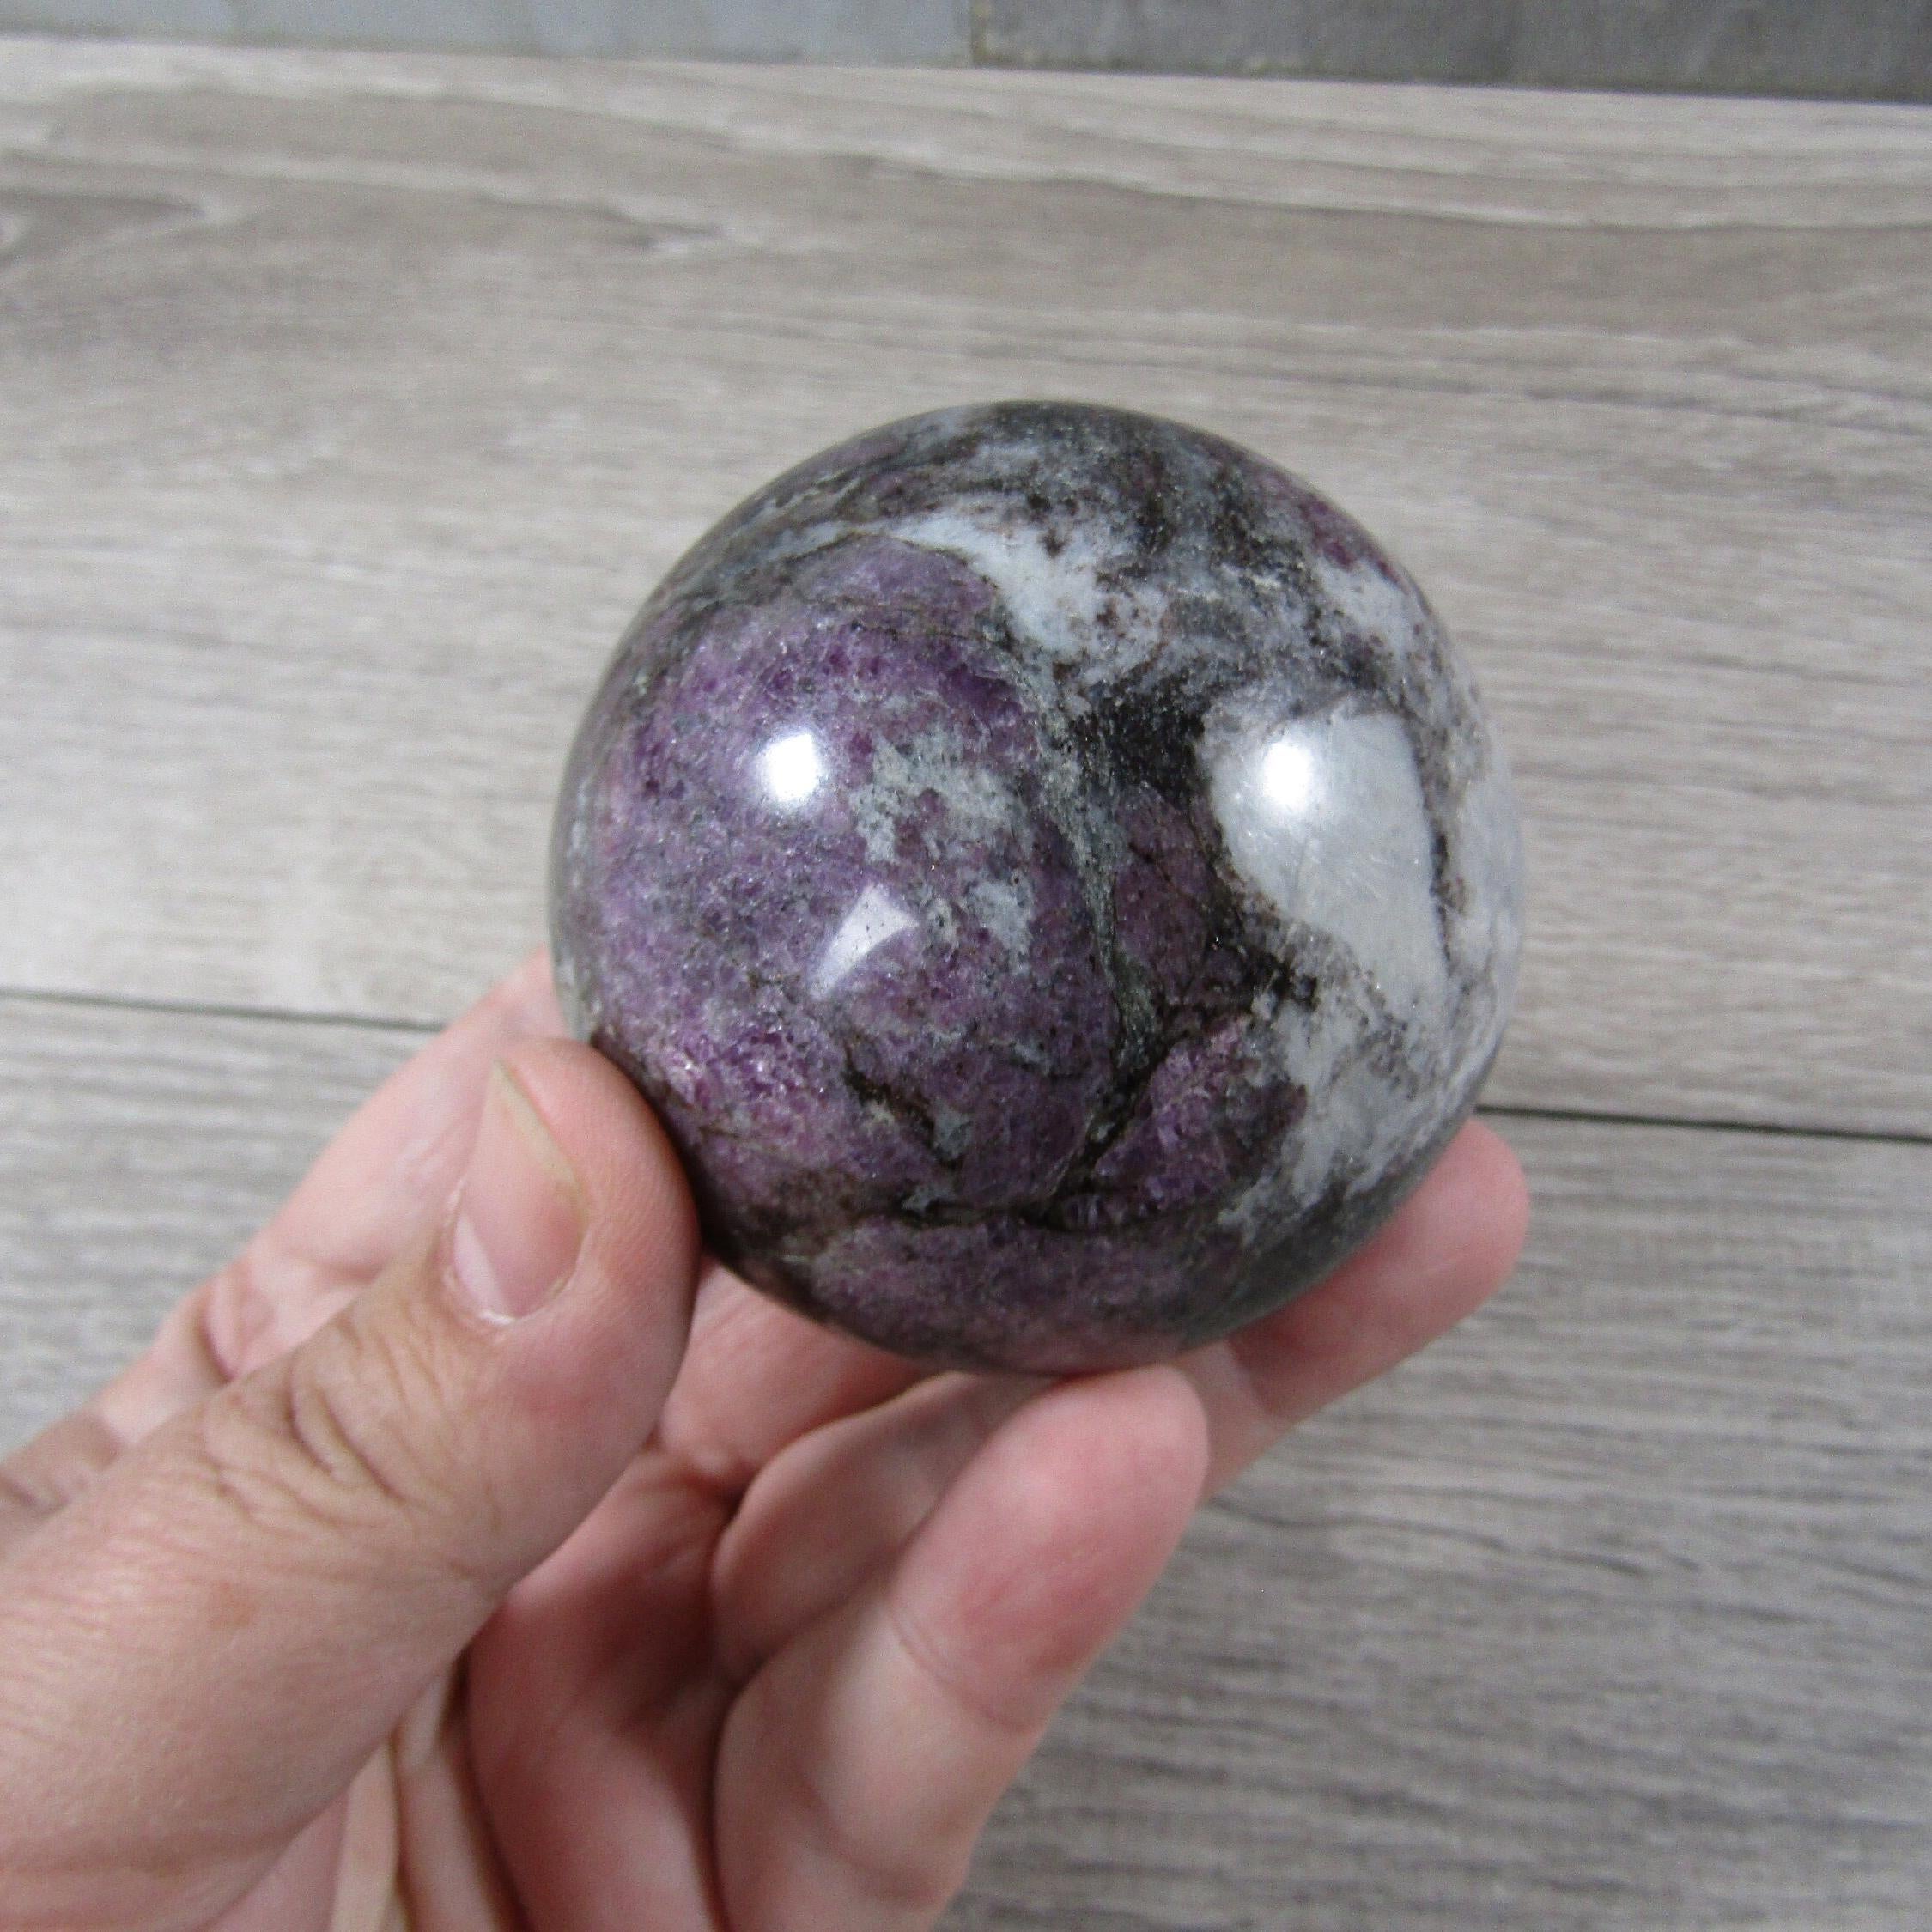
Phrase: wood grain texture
(1866,49)
(860,30)
(138,1151)
(354,403)
(1832,49)
(1607,1612)
(349,404)
(1390,40)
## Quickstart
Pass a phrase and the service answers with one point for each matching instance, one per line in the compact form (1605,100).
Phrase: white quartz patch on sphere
(1325,817)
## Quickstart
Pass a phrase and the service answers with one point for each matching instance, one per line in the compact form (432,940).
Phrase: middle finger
(836,1506)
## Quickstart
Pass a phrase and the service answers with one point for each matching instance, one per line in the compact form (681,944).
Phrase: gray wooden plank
(138,1150)
(349,405)
(1394,40)
(1609,1612)
(1840,49)
(1878,50)
(856,30)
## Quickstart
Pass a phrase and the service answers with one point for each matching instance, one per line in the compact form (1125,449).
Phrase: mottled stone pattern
(1053,877)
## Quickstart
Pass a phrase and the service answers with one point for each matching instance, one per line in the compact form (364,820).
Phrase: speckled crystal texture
(1051,875)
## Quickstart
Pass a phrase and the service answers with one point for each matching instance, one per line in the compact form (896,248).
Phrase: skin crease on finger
(575,1768)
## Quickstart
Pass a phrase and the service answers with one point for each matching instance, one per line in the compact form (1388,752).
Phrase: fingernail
(520,1220)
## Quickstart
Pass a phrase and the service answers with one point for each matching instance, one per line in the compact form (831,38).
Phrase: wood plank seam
(425,1030)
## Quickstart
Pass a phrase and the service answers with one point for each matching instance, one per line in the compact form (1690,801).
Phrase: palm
(781,1673)
(623,1748)
(637,1710)
(623,1745)
(616,1705)
(583,1767)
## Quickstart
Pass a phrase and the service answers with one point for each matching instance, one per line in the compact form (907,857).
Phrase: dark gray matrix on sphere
(1050,873)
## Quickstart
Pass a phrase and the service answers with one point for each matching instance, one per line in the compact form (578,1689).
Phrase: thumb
(248,1601)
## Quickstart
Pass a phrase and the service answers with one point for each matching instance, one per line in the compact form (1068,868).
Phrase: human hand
(353,1605)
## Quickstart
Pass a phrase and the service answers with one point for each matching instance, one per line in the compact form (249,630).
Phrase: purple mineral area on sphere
(1052,877)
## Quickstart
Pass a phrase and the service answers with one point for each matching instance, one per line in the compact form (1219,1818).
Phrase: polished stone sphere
(1051,875)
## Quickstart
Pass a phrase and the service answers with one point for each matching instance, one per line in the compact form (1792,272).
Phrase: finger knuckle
(910,1874)
(321,1442)
(340,1420)
(975,1705)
